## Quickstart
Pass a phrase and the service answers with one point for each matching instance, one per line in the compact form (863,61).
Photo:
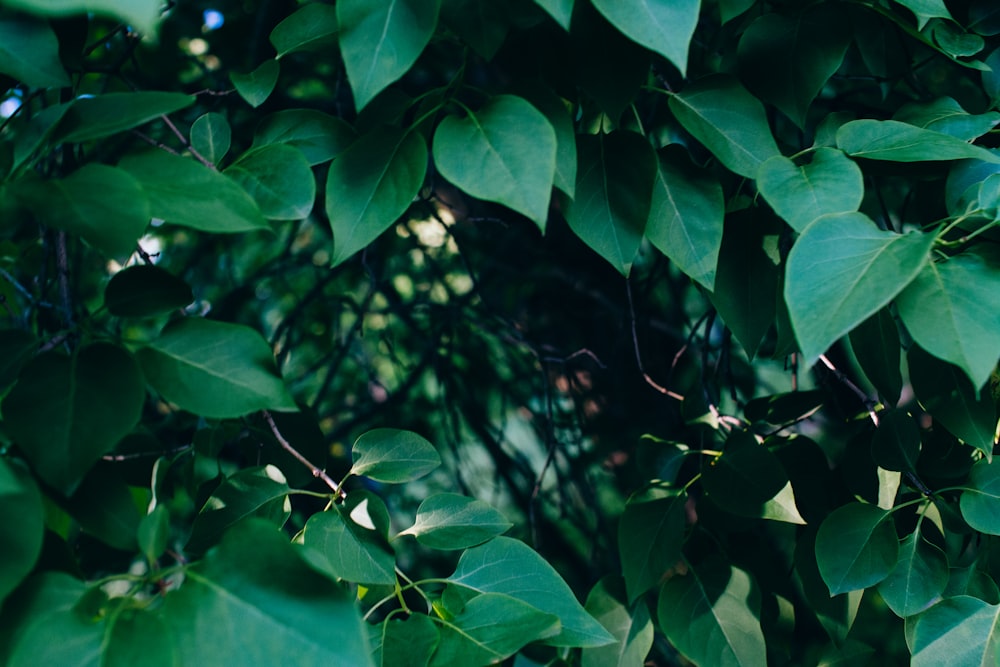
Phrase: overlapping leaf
(919,576)
(393,456)
(450,521)
(856,547)
(899,142)
(831,183)
(279,179)
(630,625)
(663,26)
(650,535)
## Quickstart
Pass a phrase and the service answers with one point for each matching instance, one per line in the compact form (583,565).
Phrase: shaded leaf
(144,290)
(650,535)
(663,26)
(17,347)
(319,136)
(560,10)
(980,502)
(29,52)
(22,529)
(831,183)
(211,136)
(153,532)
(407,643)
(352,541)
(90,118)
(482,24)
(918,578)
(279,178)
(845,268)
(856,547)
(104,508)
(450,521)
(896,442)
(214,369)
(875,343)
(630,625)
(309,28)
(143,15)
(256,86)
(835,613)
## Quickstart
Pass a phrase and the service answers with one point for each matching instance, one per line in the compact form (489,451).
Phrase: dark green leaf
(211,137)
(984,18)
(831,183)
(144,290)
(408,643)
(945,392)
(957,631)
(786,60)
(650,535)
(104,508)
(505,153)
(972,581)
(482,24)
(319,136)
(835,613)
(630,625)
(254,597)
(183,192)
(370,185)
(728,120)
(504,565)
(258,85)
(946,115)
(29,52)
(214,369)
(21,533)
(896,443)
(919,577)
(875,343)
(91,118)
(665,27)
(310,28)
(784,408)
(104,205)
(450,521)
(16,348)
(856,547)
(614,186)
(65,412)
(381,40)
(393,456)
(712,616)
(686,217)
(900,142)
(848,654)
(279,179)
(948,311)
(980,502)
(252,492)
(843,269)
(153,532)
(351,541)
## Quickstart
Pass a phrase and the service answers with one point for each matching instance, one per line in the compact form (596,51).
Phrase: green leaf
(482,24)
(560,10)
(145,290)
(900,142)
(845,268)
(984,18)
(450,521)
(214,369)
(896,443)
(831,183)
(491,627)
(875,343)
(728,120)
(211,137)
(320,137)
(143,15)
(946,393)
(380,41)
(663,26)
(650,536)
(948,311)
(260,492)
(558,115)
(972,581)
(258,85)
(104,205)
(610,68)
(351,541)
(686,217)
(746,282)
(631,626)
(310,28)
(407,643)
(919,577)
(925,10)
(90,118)
(748,480)
(957,631)
(135,637)
(104,508)
(29,52)
(184,192)
(393,456)
(980,502)
(946,115)
(712,616)
(614,186)
(505,153)
(153,532)
(66,412)
(254,597)
(784,408)
(17,347)
(370,185)
(43,626)
(279,179)
(856,547)
(504,565)
(848,654)
(786,60)
(37,132)
(23,526)
(835,613)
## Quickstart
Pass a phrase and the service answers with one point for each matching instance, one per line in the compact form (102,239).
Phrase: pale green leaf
(450,521)
(505,153)
(143,15)
(630,625)
(214,369)
(560,10)
(380,40)
(925,10)
(946,115)
(728,120)
(393,456)
(830,183)
(899,142)
(958,631)
(663,26)
(843,269)
(856,547)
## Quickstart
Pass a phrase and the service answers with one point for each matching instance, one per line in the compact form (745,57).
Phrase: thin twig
(846,381)
(139,455)
(638,357)
(62,264)
(187,144)
(316,470)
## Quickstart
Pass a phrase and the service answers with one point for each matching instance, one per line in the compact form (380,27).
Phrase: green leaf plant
(539,333)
